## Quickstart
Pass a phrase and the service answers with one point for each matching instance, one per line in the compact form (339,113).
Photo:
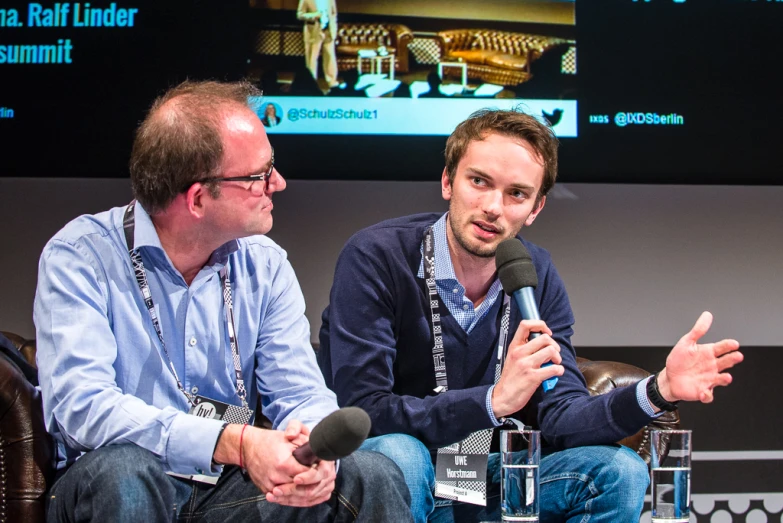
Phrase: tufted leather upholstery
(496,57)
(26,450)
(603,376)
(351,38)
(24,346)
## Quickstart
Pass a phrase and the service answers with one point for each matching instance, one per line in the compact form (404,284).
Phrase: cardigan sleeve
(358,351)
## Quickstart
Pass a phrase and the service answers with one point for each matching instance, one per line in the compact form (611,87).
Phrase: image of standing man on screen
(320,32)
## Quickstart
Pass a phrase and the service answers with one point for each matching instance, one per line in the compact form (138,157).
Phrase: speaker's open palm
(693,370)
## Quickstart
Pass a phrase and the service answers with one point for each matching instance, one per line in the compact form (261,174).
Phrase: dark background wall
(640,262)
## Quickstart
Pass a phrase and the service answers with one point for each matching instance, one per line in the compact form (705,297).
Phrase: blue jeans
(585,484)
(125,483)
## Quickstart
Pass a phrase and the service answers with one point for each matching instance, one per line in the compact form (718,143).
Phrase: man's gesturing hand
(693,370)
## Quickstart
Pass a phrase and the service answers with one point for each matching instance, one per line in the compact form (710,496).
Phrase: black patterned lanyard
(438,352)
(129,224)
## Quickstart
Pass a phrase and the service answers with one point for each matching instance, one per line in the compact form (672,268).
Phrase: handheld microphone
(518,277)
(335,437)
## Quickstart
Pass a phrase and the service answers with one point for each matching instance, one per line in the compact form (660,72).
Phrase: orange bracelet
(241,437)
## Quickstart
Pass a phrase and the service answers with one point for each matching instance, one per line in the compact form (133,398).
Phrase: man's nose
(492,204)
(276,182)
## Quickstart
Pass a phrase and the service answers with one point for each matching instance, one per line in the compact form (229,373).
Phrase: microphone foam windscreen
(340,433)
(515,266)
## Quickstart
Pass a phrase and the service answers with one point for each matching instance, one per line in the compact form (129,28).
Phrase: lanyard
(129,223)
(438,352)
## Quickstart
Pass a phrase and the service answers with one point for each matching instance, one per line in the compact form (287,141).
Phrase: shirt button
(465,307)
(456,290)
(194,390)
(192,341)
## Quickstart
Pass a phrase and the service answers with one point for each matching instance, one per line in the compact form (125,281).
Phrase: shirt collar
(145,235)
(444,269)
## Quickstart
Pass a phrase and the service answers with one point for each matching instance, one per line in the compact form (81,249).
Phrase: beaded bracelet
(241,437)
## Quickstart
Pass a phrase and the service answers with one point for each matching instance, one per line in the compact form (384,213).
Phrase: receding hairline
(170,111)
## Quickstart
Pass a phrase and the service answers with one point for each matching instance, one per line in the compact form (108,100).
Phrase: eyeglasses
(262,178)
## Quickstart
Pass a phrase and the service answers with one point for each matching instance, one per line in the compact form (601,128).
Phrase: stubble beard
(478,250)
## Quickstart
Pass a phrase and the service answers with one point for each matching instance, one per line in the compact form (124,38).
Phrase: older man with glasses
(160,324)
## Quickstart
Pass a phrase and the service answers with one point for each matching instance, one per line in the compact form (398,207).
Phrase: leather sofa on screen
(352,38)
(26,450)
(496,57)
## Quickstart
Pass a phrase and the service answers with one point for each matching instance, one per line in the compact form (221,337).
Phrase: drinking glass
(520,456)
(670,470)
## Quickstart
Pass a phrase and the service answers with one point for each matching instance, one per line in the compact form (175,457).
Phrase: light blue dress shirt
(104,376)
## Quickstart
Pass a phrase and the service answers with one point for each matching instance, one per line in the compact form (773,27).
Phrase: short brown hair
(513,123)
(179,140)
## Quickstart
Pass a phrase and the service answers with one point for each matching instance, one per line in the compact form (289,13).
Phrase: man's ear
(195,198)
(445,185)
(534,214)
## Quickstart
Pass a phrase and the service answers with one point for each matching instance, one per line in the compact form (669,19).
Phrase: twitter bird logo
(553,118)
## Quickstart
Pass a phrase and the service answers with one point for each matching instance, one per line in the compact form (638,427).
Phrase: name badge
(461,475)
(214,409)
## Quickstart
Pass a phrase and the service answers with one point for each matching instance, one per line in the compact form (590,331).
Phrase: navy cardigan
(376,350)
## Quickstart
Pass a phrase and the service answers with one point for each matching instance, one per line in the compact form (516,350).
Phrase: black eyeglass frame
(263,177)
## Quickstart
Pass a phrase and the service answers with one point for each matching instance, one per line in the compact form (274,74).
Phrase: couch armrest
(24,346)
(603,376)
(26,449)
(402,35)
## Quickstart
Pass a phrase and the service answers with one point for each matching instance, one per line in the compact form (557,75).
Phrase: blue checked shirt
(450,290)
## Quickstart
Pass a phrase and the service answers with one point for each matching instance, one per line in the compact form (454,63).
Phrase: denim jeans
(125,483)
(585,484)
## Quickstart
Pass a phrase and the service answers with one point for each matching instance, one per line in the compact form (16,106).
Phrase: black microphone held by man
(518,277)
(335,437)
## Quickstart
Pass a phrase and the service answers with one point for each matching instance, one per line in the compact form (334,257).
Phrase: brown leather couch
(351,38)
(26,450)
(496,57)
(603,376)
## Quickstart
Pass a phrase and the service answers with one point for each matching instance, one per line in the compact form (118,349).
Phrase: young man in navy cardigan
(385,332)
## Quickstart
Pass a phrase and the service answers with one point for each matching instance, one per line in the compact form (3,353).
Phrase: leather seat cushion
(353,49)
(507,61)
(473,56)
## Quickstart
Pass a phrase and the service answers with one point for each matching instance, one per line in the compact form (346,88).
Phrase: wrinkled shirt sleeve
(77,352)
(288,377)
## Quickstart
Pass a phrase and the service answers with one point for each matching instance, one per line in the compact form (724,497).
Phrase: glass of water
(671,475)
(520,455)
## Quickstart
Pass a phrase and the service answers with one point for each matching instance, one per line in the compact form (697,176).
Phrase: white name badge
(461,469)
(462,477)
(213,409)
